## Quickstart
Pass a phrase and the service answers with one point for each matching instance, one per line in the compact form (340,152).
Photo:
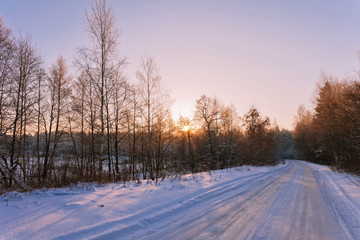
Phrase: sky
(267,54)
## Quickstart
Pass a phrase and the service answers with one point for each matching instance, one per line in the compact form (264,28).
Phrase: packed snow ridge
(295,200)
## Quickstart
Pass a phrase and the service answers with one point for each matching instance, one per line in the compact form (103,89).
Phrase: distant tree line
(56,129)
(330,134)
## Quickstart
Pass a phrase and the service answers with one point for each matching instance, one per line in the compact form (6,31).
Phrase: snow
(297,200)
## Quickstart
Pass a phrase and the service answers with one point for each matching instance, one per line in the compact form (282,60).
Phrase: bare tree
(188,158)
(101,62)
(208,114)
(79,107)
(25,66)
(55,121)
(120,96)
(39,121)
(230,134)
(6,56)
(155,104)
(134,114)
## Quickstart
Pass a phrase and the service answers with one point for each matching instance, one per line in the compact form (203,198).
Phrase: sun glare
(186,128)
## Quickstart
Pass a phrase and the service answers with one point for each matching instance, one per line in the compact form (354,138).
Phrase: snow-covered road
(297,200)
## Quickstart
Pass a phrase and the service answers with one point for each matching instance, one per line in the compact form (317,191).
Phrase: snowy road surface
(297,200)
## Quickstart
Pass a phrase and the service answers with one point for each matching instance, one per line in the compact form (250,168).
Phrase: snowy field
(297,200)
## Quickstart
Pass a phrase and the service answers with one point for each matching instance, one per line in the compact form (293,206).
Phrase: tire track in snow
(292,206)
(295,201)
(162,214)
(299,212)
(342,207)
(244,198)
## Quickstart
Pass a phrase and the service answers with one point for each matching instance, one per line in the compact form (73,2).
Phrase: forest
(330,133)
(57,129)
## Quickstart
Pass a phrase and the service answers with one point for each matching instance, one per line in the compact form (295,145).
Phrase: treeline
(56,129)
(330,134)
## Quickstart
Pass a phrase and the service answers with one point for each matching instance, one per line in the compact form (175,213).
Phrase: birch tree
(55,122)
(25,67)
(155,104)
(101,62)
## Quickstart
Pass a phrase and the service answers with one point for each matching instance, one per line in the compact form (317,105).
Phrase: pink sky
(269,55)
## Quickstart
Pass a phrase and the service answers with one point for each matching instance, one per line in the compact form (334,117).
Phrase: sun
(186,128)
